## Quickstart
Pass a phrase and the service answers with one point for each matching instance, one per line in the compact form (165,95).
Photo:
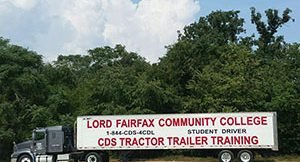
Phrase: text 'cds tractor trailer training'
(231,135)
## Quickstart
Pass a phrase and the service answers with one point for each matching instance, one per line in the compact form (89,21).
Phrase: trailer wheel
(225,156)
(245,156)
(25,158)
(93,157)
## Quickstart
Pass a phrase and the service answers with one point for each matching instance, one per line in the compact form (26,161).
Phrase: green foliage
(269,44)
(223,85)
(211,68)
(22,87)
(198,46)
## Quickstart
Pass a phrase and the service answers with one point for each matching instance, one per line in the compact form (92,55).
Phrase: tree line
(212,67)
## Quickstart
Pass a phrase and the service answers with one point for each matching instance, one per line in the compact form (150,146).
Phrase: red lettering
(122,141)
(134,123)
(223,121)
(187,141)
(127,140)
(168,122)
(134,142)
(160,141)
(234,140)
(100,142)
(118,122)
(99,124)
(107,142)
(148,141)
(144,123)
(88,124)
(124,123)
(243,122)
(220,140)
(254,140)
(250,120)
(151,123)
(95,124)
(264,120)
(256,120)
(161,122)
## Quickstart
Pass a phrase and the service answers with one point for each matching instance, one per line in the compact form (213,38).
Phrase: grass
(287,158)
(177,158)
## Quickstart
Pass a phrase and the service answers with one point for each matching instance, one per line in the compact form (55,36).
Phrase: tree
(228,84)
(22,87)
(198,46)
(108,89)
(213,70)
(268,44)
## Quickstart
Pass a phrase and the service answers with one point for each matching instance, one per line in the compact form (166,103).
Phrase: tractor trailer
(231,135)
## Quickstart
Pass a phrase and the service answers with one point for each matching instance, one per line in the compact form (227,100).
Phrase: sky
(64,27)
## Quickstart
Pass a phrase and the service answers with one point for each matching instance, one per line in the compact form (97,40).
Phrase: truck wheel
(245,156)
(225,156)
(25,158)
(93,157)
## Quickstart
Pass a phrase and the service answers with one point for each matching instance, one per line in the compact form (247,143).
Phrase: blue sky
(290,31)
(53,27)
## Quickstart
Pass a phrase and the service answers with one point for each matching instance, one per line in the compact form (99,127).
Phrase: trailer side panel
(178,131)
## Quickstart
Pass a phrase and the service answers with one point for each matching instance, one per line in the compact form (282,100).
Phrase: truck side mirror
(15,146)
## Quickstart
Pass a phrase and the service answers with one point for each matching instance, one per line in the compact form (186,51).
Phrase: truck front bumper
(13,159)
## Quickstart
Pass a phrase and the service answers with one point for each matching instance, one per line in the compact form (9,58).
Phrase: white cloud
(24,4)
(150,24)
(53,27)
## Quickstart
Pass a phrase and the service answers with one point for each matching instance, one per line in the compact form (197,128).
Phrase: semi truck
(230,135)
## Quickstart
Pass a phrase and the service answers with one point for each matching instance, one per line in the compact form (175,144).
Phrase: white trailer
(242,132)
(230,134)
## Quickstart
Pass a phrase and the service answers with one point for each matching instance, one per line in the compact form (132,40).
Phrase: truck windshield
(38,136)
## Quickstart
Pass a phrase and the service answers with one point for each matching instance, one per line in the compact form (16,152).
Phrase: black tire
(25,158)
(93,157)
(245,156)
(225,156)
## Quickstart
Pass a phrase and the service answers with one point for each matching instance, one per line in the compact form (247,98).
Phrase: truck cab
(47,145)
